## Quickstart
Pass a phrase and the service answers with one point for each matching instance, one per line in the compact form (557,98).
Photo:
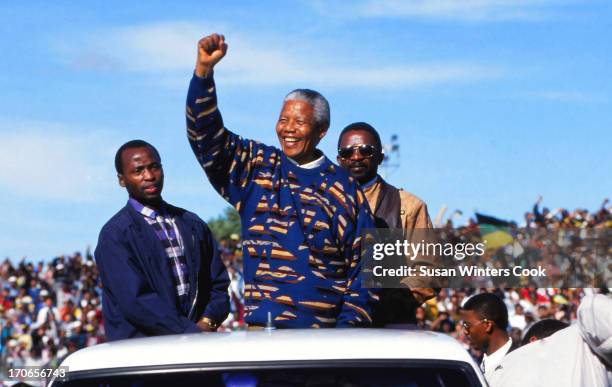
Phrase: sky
(493,102)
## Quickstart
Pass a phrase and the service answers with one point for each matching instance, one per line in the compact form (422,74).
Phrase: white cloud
(155,47)
(566,96)
(405,76)
(165,49)
(460,10)
(46,161)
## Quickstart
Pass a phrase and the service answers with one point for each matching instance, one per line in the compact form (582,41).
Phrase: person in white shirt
(485,323)
(517,319)
(48,314)
(579,355)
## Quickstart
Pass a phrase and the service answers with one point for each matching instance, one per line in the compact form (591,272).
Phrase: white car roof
(261,346)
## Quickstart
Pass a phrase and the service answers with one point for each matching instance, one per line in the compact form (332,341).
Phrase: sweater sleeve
(357,301)
(227,158)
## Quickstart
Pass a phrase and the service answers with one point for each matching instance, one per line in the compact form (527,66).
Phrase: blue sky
(494,102)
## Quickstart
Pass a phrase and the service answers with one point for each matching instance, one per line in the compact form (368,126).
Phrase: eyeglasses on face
(467,326)
(366,150)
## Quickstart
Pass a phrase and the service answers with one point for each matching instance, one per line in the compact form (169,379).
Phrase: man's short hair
(130,145)
(542,329)
(489,306)
(365,127)
(317,101)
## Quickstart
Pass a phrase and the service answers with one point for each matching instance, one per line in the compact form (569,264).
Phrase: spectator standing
(485,322)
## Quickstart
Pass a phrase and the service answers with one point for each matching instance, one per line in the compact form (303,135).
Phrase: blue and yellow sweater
(300,227)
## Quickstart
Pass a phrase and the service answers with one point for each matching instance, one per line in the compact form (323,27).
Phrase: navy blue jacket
(139,293)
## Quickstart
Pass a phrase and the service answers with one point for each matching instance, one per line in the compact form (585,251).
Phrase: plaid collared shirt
(168,233)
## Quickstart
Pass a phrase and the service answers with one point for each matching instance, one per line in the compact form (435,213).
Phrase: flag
(495,233)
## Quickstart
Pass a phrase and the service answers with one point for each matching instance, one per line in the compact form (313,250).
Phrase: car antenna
(269,325)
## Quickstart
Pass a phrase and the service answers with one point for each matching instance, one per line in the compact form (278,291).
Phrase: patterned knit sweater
(300,227)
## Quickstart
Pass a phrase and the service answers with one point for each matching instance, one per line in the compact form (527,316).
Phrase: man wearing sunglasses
(301,215)
(360,152)
(485,322)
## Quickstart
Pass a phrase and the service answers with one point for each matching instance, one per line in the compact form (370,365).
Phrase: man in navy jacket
(159,264)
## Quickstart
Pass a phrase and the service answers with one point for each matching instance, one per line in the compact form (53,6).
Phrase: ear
(121,180)
(322,133)
(532,339)
(379,158)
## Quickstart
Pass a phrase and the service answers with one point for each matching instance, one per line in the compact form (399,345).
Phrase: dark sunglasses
(467,326)
(366,150)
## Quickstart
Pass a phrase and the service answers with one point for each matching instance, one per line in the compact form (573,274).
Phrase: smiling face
(297,132)
(142,175)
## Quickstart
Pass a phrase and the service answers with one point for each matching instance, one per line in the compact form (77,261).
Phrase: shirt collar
(142,209)
(494,359)
(369,183)
(311,165)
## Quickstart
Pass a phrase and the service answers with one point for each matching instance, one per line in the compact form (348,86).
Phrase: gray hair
(318,103)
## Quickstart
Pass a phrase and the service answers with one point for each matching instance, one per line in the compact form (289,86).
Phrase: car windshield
(433,376)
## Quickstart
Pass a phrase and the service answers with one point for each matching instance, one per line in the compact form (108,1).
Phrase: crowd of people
(50,309)
(573,246)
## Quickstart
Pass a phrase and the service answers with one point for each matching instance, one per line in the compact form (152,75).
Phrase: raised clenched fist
(210,51)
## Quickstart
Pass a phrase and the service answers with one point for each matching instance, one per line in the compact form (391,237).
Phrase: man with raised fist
(302,216)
